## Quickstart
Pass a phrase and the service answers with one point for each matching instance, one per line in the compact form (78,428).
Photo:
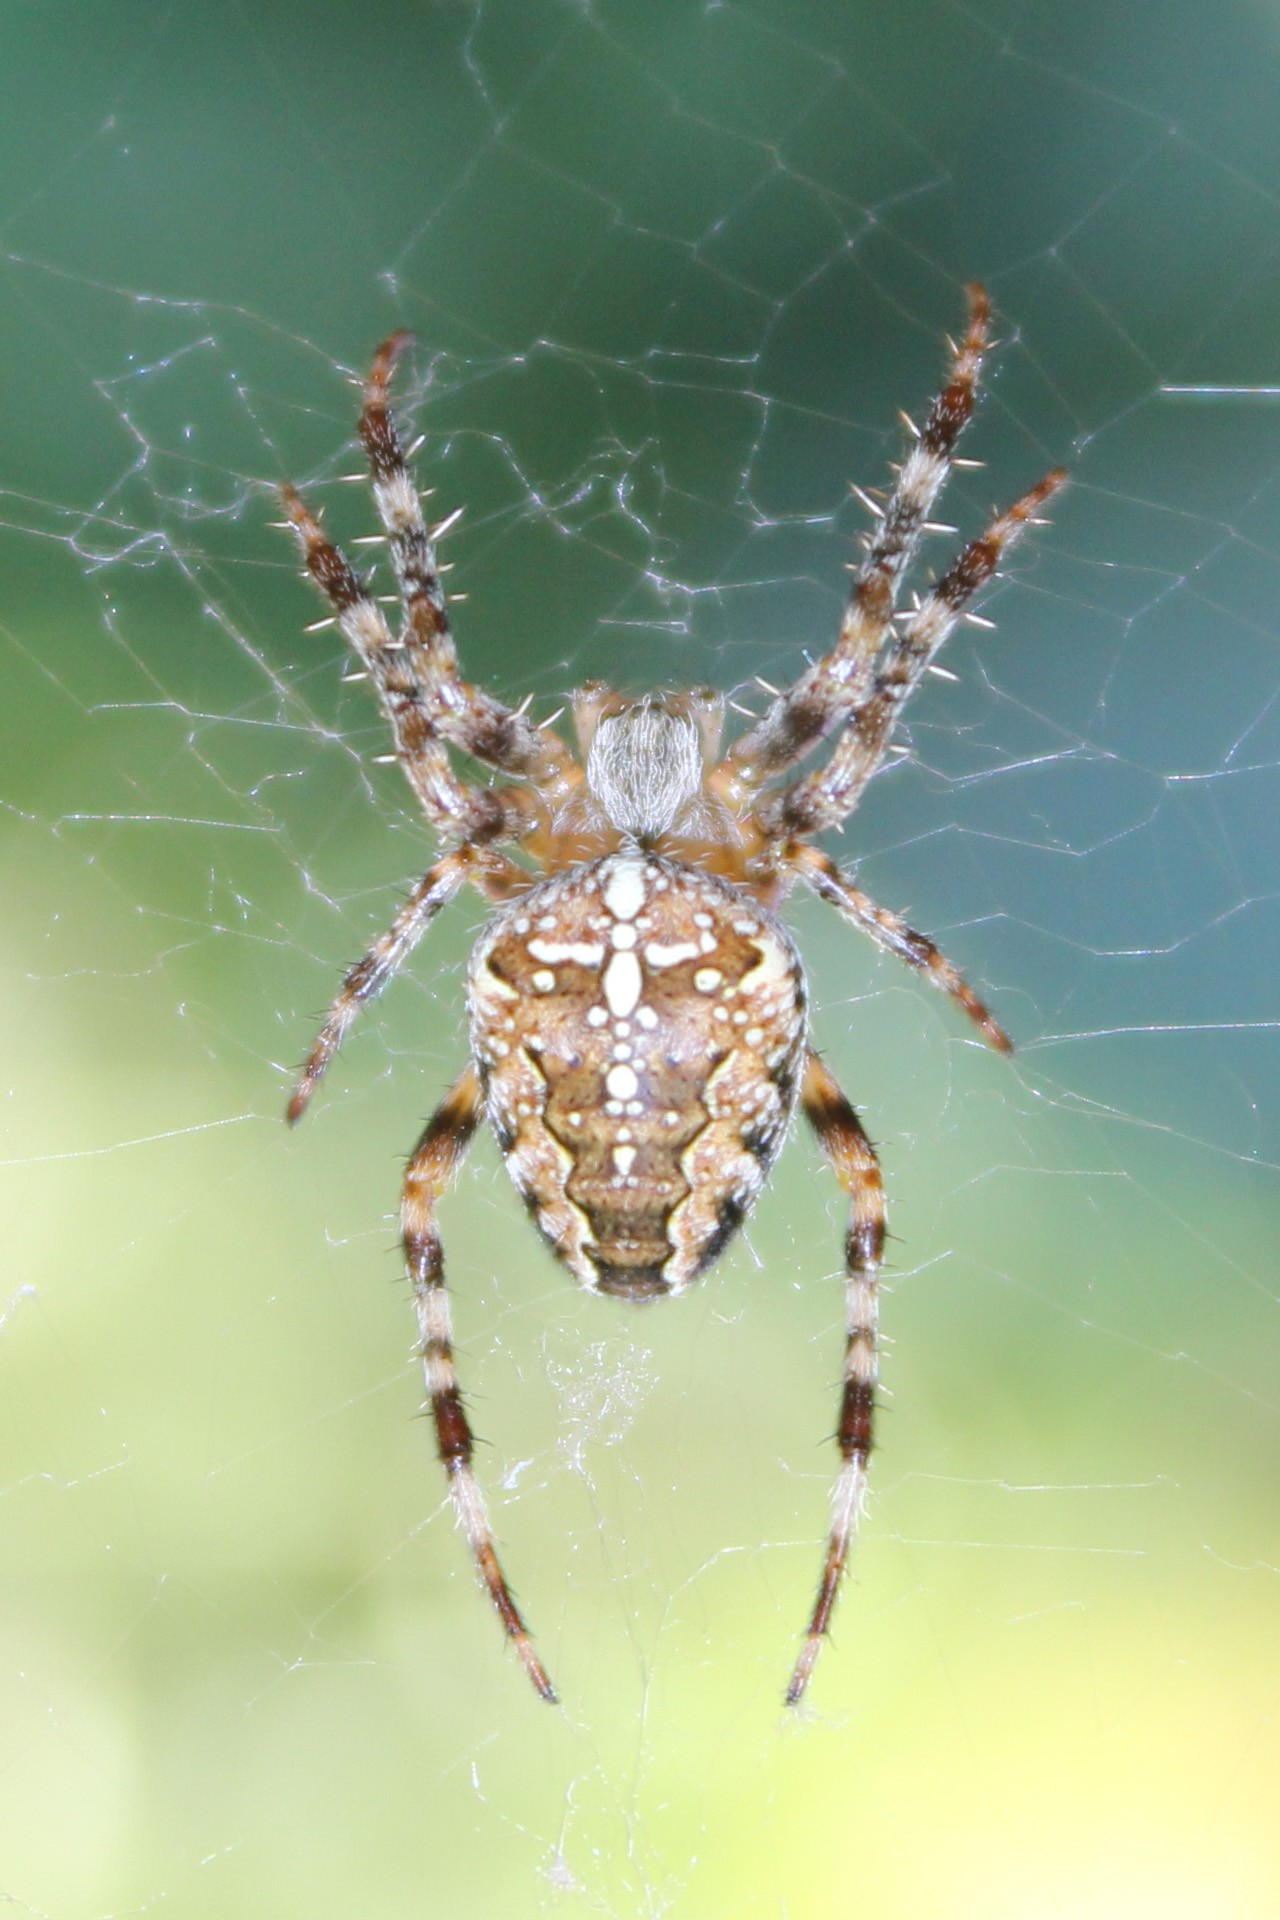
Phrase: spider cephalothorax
(637,1009)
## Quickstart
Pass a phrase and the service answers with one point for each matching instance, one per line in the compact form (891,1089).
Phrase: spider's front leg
(464,714)
(853,1160)
(452,805)
(434,1162)
(828,795)
(824,695)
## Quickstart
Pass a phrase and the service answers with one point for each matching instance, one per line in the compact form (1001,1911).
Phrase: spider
(637,1010)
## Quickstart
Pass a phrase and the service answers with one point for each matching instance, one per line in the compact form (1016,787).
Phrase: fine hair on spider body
(644,767)
(637,1010)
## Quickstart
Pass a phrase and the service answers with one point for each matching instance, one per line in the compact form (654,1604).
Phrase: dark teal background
(672,270)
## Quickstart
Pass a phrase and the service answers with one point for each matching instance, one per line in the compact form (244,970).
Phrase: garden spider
(637,1011)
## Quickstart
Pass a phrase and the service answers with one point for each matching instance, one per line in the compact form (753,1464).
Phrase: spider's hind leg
(432,1165)
(853,1160)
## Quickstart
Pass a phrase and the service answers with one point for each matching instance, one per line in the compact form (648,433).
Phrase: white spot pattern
(656,955)
(553,951)
(624,888)
(599,1195)
(622,985)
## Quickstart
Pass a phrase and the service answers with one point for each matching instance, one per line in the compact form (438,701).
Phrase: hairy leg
(434,1162)
(456,809)
(824,798)
(853,1160)
(492,873)
(821,697)
(893,935)
(464,714)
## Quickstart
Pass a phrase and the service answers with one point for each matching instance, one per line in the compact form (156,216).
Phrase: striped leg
(853,1160)
(894,936)
(464,714)
(434,1162)
(826,797)
(450,804)
(834,685)
(372,971)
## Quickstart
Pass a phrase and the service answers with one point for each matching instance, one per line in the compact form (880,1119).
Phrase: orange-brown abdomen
(639,1027)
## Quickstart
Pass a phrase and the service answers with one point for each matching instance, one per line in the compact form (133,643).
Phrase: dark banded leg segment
(492,873)
(839,683)
(853,1160)
(451,804)
(370,974)
(822,799)
(464,714)
(893,935)
(435,1160)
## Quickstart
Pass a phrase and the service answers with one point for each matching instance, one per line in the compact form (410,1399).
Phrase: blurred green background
(672,269)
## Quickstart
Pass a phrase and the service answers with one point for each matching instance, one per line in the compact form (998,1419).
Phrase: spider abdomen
(639,1026)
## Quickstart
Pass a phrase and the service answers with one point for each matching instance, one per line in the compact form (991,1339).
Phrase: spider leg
(826,797)
(434,1161)
(452,806)
(853,1160)
(893,935)
(465,715)
(822,696)
(491,873)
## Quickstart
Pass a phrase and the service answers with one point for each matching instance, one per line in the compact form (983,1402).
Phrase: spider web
(672,269)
